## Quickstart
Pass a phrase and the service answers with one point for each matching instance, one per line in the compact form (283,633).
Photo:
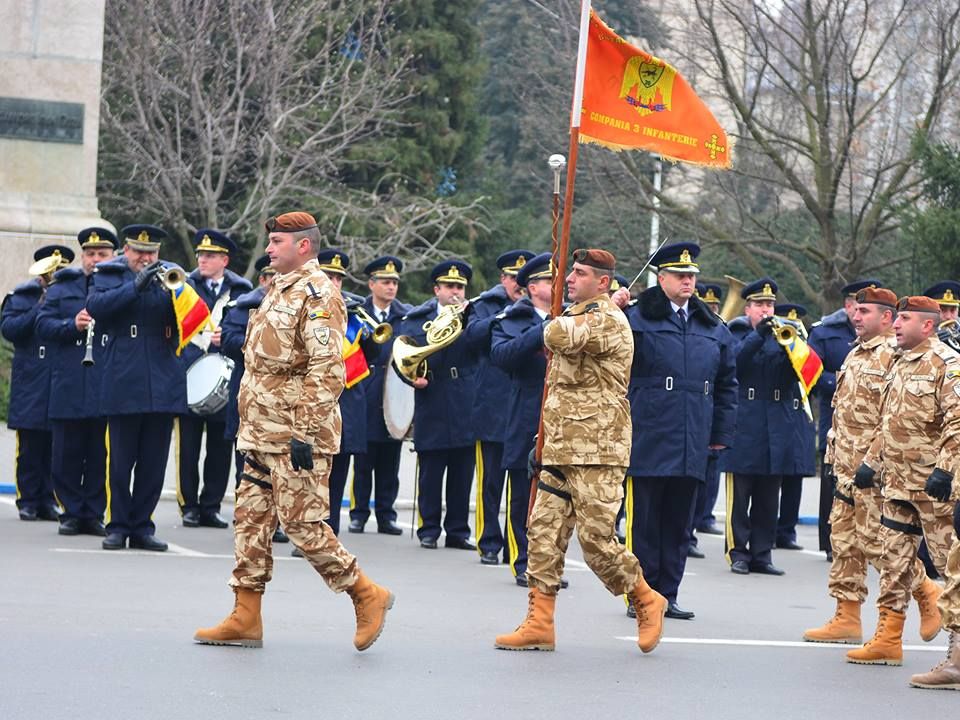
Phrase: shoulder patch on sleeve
(322,334)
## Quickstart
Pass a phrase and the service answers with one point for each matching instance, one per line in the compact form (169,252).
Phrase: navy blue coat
(233,333)
(683,387)
(769,439)
(30,374)
(232,285)
(493,384)
(517,349)
(379,364)
(353,401)
(442,410)
(142,373)
(831,338)
(74,389)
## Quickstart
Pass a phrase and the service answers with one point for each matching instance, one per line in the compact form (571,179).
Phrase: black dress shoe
(28,514)
(740,567)
(694,552)
(677,613)
(69,526)
(114,541)
(429,543)
(389,528)
(213,520)
(147,542)
(766,569)
(460,544)
(788,545)
(93,527)
(830,556)
(48,512)
(489,558)
(279,536)
(710,529)
(296,552)
(191,518)
(355,526)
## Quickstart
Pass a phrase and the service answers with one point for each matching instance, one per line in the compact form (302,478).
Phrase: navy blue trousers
(518,503)
(377,470)
(790,491)
(80,467)
(752,518)
(216,465)
(659,516)
(32,469)
(490,482)
(457,464)
(137,447)
(338,481)
(707,496)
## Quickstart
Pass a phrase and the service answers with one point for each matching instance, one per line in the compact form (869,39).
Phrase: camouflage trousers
(855,537)
(903,524)
(949,603)
(271,491)
(585,497)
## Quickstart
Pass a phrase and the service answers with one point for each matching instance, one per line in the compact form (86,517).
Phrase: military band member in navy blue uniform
(768,443)
(217,286)
(831,338)
(947,294)
(30,390)
(791,487)
(487,415)
(683,403)
(233,332)
(517,348)
(378,469)
(442,435)
(79,448)
(353,401)
(144,384)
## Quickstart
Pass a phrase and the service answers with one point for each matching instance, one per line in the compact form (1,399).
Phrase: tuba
(45,268)
(410,359)
(732,303)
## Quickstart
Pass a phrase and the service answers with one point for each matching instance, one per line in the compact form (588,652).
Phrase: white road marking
(8,501)
(150,553)
(776,643)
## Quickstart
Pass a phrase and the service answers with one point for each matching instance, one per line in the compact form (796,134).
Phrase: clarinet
(88,355)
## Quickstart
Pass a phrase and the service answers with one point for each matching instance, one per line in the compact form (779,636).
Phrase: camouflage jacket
(293,358)
(586,418)
(920,429)
(860,383)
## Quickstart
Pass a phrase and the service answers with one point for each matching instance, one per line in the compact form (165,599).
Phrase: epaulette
(347,295)
(739,322)
(423,309)
(251,299)
(67,273)
(497,292)
(117,265)
(30,287)
(837,317)
(521,308)
(236,279)
(945,353)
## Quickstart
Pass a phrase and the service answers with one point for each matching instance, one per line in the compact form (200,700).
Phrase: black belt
(669,383)
(776,395)
(844,498)
(454,374)
(541,485)
(900,527)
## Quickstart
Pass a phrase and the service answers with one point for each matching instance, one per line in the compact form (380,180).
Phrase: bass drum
(398,404)
(208,384)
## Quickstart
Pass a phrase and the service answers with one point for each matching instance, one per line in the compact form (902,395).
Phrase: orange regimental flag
(635,101)
(192,313)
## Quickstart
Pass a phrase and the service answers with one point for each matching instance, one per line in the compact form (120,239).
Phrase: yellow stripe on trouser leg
(728,521)
(416,494)
(479,517)
(628,519)
(512,548)
(16,466)
(106,442)
(176,460)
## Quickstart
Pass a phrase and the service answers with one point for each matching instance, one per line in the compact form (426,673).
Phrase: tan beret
(596,258)
(918,303)
(290,222)
(877,296)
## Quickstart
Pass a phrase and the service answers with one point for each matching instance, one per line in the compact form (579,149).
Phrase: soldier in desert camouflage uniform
(855,516)
(587,431)
(916,450)
(289,431)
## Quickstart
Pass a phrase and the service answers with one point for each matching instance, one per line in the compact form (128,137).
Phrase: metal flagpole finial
(557,163)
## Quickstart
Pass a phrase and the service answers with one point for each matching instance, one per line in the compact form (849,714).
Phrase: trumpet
(172,278)
(784,331)
(380,332)
(88,354)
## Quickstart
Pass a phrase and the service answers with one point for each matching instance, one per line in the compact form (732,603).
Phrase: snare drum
(208,384)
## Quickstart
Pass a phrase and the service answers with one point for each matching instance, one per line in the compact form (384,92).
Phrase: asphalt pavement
(88,633)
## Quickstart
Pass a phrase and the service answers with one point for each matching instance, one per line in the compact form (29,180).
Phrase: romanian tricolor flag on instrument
(354,362)
(192,313)
(806,363)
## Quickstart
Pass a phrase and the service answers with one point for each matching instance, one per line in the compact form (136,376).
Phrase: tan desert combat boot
(242,627)
(651,606)
(926,596)
(886,645)
(370,602)
(946,675)
(536,632)
(843,627)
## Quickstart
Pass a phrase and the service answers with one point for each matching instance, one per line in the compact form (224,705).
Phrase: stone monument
(51,53)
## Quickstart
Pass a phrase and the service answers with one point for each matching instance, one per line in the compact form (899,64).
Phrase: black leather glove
(765,327)
(532,465)
(956,519)
(863,478)
(301,455)
(144,277)
(938,485)
(829,473)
